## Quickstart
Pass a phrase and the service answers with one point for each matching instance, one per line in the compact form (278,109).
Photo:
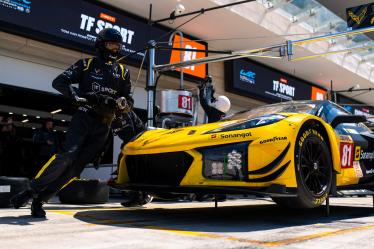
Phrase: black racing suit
(89,126)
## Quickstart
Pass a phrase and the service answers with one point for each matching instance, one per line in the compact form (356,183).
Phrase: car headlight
(227,162)
(252,123)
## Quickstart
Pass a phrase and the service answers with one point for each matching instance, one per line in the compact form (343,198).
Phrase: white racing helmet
(222,104)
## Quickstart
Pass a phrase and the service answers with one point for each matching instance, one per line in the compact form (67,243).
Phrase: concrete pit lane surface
(240,223)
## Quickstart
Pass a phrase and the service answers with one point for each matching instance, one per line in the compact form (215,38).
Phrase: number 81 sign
(185,102)
(346,155)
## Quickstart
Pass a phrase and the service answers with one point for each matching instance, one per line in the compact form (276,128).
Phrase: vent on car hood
(158,169)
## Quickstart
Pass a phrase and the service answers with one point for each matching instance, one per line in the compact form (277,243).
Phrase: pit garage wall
(33,64)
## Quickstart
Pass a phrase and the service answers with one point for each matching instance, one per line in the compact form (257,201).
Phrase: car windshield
(295,107)
(330,111)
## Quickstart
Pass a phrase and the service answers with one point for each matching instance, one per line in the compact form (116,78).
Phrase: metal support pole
(151,84)
(150,15)
(215,201)
(332,93)
(181,86)
(289,50)
(328,206)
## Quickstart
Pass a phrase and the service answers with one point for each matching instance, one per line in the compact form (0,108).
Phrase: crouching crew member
(126,126)
(102,81)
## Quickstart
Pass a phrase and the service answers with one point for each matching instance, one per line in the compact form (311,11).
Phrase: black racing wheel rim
(314,166)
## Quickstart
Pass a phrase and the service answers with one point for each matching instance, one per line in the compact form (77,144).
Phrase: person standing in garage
(46,144)
(214,108)
(103,89)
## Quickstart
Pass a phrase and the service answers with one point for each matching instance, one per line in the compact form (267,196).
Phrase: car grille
(158,169)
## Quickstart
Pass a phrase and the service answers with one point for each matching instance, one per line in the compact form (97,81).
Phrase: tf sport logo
(248,76)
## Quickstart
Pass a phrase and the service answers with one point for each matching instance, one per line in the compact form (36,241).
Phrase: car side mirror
(347,119)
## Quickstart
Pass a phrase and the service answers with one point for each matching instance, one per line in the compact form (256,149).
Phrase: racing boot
(37,210)
(138,201)
(21,199)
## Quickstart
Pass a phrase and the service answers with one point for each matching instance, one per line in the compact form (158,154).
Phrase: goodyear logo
(307,133)
(273,139)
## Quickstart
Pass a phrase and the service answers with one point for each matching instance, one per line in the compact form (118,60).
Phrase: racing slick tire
(85,192)
(9,186)
(313,168)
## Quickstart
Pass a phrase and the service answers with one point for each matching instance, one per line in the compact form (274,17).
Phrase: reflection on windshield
(331,111)
(294,107)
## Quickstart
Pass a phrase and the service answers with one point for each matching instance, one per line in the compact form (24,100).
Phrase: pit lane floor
(235,224)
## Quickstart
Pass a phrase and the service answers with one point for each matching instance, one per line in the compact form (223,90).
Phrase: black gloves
(109,101)
(99,99)
(92,98)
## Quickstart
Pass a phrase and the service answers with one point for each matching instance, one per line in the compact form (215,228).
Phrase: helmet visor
(113,46)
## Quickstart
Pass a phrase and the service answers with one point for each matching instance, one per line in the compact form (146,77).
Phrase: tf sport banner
(76,23)
(249,78)
(360,16)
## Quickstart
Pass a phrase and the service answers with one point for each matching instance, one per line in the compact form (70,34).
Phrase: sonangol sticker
(4,188)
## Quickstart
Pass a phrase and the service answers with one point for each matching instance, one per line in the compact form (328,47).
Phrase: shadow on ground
(22,220)
(224,219)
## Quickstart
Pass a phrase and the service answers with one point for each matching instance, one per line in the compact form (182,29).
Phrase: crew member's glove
(92,98)
(99,99)
(75,97)
(109,101)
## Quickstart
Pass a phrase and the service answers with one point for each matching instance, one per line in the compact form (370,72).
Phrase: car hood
(161,140)
(188,136)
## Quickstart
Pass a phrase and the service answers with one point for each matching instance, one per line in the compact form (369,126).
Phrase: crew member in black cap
(103,89)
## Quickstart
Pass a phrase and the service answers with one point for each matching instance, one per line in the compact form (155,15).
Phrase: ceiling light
(54,130)
(24,115)
(269,5)
(179,10)
(37,116)
(25,121)
(56,111)
(33,128)
(62,120)
(10,113)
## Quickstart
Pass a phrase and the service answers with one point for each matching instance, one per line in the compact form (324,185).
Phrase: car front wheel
(313,168)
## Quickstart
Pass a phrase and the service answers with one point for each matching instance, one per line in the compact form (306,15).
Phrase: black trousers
(85,138)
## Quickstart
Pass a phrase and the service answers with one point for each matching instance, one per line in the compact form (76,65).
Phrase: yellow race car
(295,152)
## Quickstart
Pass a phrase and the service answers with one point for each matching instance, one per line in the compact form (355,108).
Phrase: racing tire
(9,186)
(85,192)
(313,169)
